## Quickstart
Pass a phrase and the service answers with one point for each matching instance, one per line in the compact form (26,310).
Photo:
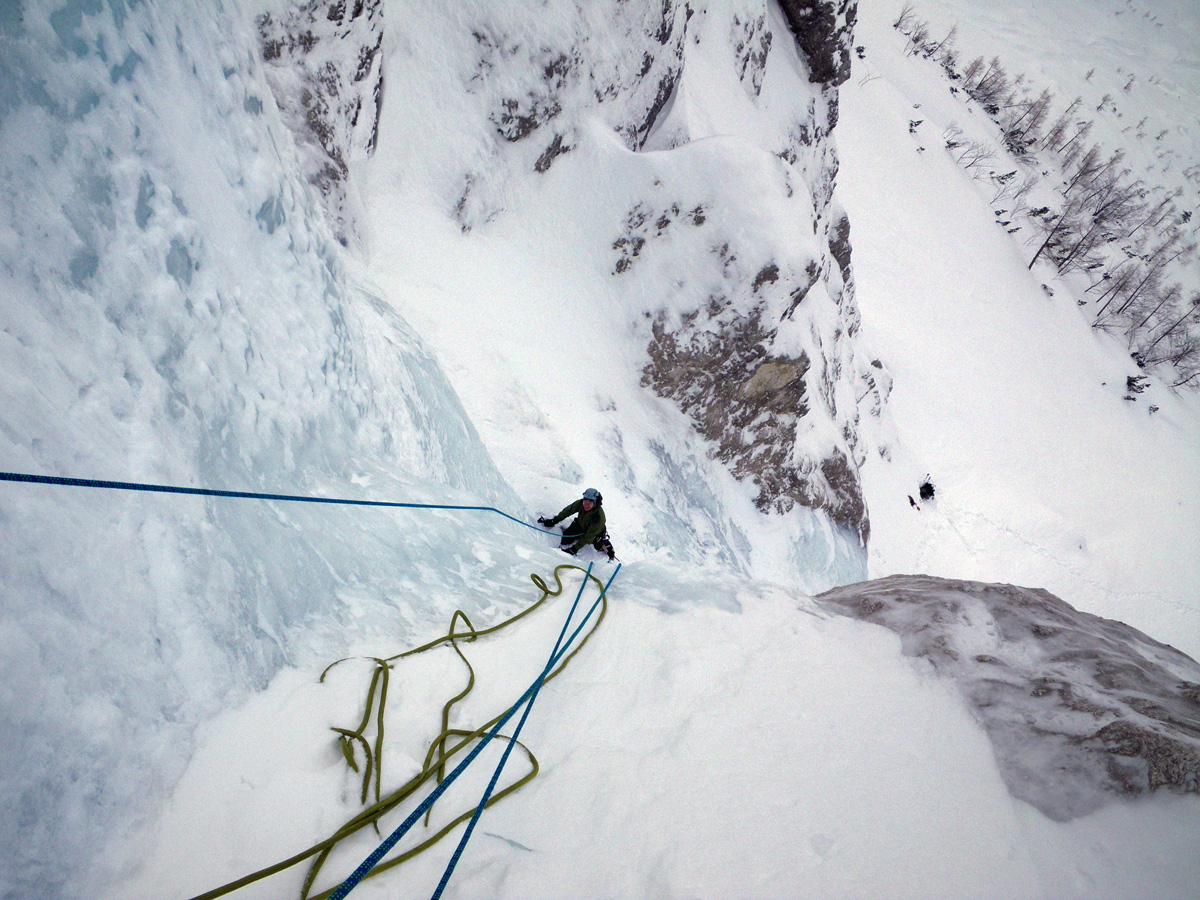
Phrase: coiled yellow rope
(436,757)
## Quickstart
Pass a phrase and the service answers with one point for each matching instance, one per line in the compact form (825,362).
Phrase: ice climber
(588,526)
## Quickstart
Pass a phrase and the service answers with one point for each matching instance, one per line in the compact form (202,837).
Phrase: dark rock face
(749,401)
(726,382)
(824,29)
(537,87)
(752,44)
(839,245)
(1080,710)
(719,362)
(325,64)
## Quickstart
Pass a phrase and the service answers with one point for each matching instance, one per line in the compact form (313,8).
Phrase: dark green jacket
(591,524)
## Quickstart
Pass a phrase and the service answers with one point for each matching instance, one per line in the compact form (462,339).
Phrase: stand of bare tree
(1104,221)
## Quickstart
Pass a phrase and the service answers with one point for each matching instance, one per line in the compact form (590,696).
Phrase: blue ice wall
(173,309)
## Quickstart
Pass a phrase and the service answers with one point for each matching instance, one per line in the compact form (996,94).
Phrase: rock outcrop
(324,62)
(825,31)
(1080,710)
(784,417)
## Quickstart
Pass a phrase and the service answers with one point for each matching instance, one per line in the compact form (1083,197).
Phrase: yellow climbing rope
(439,753)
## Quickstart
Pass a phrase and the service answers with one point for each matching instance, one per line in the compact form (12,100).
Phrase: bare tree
(1144,297)
(1131,289)
(1020,196)
(1187,377)
(1191,309)
(1058,130)
(918,37)
(1183,352)
(991,87)
(1186,359)
(1091,167)
(1117,203)
(976,152)
(947,42)
(1161,211)
(948,57)
(905,19)
(1003,186)
(1063,224)
(1099,206)
(1172,241)
(1142,294)
(972,71)
(1087,216)
(1170,295)
(1080,251)
(1023,130)
(1120,280)
(1072,148)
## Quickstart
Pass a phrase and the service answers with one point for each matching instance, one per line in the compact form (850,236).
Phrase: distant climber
(913,503)
(926,489)
(588,526)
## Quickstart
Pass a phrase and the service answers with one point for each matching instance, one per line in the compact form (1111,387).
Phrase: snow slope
(1142,57)
(817,765)
(1003,395)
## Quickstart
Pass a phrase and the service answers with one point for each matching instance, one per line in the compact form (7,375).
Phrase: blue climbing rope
(555,655)
(526,700)
(248,495)
(340,892)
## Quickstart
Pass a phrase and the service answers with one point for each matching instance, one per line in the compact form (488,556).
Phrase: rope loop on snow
(445,746)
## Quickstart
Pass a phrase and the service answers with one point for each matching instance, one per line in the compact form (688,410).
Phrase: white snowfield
(752,747)
(175,308)
(1045,476)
